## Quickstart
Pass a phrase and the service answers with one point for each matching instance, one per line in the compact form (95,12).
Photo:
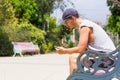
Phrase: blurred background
(38,21)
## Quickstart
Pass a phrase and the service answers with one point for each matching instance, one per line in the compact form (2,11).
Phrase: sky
(95,10)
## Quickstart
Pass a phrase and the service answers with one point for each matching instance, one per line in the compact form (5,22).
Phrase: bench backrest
(22,43)
(100,66)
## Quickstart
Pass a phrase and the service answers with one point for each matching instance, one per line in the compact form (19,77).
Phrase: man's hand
(60,50)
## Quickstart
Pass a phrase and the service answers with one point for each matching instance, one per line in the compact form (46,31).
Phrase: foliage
(44,10)
(54,33)
(47,47)
(114,20)
(6,11)
(27,10)
(70,44)
(51,30)
(45,7)
(65,32)
(22,20)
(5,44)
(24,31)
(24,9)
(114,24)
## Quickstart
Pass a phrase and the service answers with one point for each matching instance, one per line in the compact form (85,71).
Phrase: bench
(93,65)
(19,47)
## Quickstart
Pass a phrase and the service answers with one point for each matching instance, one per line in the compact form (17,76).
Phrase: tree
(47,7)
(27,18)
(24,9)
(6,48)
(114,2)
(54,34)
(6,11)
(114,19)
(6,14)
(44,7)
(19,27)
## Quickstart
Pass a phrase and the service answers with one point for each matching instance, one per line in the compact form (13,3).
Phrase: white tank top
(102,41)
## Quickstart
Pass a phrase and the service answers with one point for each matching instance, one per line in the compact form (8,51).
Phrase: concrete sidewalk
(38,67)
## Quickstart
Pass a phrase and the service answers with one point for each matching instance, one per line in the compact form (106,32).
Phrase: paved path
(38,67)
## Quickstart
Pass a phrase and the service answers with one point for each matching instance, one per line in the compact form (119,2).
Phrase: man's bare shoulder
(85,29)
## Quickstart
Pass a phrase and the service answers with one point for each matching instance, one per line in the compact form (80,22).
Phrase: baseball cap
(69,13)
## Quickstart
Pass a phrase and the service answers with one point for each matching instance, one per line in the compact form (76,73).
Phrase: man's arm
(82,45)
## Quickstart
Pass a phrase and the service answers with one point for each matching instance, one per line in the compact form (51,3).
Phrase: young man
(92,36)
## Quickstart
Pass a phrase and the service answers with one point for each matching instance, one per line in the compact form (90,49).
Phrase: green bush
(24,31)
(46,47)
(70,44)
(6,48)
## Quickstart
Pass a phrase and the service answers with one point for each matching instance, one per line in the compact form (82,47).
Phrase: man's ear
(74,18)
